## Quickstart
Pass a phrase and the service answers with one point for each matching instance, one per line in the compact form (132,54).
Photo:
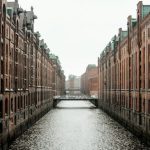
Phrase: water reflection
(77,126)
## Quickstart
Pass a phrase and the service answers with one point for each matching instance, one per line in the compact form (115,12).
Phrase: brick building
(73,85)
(27,70)
(124,74)
(89,81)
(58,79)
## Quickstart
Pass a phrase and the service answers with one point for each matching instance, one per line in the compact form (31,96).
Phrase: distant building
(73,85)
(89,81)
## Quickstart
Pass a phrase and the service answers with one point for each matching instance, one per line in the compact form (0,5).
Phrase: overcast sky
(78,30)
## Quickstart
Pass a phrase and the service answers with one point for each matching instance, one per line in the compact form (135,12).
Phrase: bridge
(73,89)
(57,99)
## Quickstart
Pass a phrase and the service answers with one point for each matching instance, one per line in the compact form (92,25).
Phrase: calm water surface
(77,126)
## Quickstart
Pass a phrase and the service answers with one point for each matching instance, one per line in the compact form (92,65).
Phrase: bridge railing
(77,97)
(57,99)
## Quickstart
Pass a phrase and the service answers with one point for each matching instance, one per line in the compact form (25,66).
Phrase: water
(77,126)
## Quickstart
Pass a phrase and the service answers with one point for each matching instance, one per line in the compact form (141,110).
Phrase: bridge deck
(65,99)
(57,99)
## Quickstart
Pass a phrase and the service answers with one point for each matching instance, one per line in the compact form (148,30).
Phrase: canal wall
(116,114)
(8,137)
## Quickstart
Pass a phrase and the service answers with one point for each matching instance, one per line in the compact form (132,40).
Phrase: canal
(77,126)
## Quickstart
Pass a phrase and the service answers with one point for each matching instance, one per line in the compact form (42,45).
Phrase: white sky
(78,30)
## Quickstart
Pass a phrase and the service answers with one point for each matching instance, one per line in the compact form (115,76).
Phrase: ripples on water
(77,126)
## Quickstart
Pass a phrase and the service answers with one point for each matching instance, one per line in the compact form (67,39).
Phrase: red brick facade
(89,81)
(28,73)
(124,73)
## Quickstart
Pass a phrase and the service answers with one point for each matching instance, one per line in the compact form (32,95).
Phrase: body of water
(77,125)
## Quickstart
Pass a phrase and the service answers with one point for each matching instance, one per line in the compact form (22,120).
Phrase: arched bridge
(57,99)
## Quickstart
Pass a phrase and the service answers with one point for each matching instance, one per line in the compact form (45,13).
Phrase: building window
(6,86)
(15,104)
(1,127)
(140,119)
(7,33)
(19,102)
(12,105)
(10,69)
(17,40)
(25,48)
(2,85)
(15,120)
(143,36)
(12,37)
(16,70)
(6,106)
(2,67)
(149,124)
(6,50)
(3,31)
(143,105)
(17,27)
(10,51)
(31,50)
(136,104)
(2,53)
(16,84)
(148,32)
(25,63)
(16,56)
(149,107)
(6,71)
(4,10)
(24,101)
(143,77)
(1,109)
(149,66)
(29,99)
